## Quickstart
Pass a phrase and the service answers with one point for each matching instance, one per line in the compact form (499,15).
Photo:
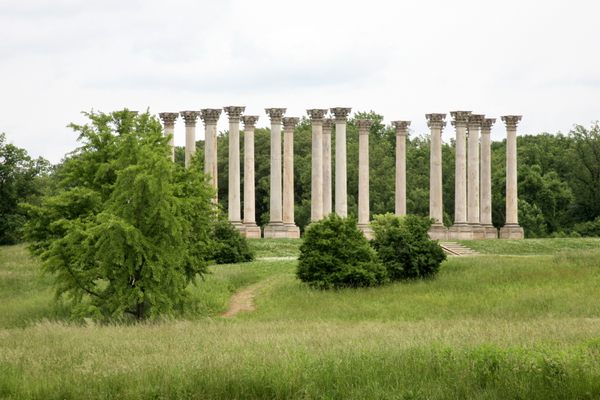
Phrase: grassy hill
(520,321)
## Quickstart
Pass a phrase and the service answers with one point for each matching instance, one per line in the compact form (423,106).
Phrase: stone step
(457,249)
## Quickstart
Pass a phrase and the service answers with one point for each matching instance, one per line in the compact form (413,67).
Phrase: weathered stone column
(189,117)
(327,192)
(341,181)
(288,177)
(168,119)
(316,196)
(460,229)
(250,229)
(436,207)
(363,176)
(210,116)
(401,134)
(275,227)
(474,126)
(234,195)
(511,228)
(485,207)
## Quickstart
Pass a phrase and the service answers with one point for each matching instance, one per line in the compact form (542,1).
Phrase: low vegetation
(523,322)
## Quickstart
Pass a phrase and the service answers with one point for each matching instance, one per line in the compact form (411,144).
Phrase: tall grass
(508,327)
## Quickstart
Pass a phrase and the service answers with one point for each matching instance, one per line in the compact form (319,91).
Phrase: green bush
(230,246)
(336,254)
(404,247)
(589,228)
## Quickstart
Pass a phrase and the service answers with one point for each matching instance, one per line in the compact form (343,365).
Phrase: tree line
(559,178)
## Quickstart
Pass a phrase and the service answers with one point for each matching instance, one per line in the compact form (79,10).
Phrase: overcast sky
(399,58)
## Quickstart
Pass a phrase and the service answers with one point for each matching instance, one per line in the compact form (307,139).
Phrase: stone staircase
(457,249)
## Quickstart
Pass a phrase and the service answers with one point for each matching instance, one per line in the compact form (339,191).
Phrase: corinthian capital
(275,114)
(189,117)
(436,120)
(363,126)
(234,112)
(210,115)
(289,123)
(475,121)
(511,121)
(460,118)
(316,114)
(249,120)
(327,124)
(401,127)
(340,113)
(487,123)
(168,118)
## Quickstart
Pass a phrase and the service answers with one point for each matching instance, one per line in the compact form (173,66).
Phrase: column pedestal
(490,231)
(512,232)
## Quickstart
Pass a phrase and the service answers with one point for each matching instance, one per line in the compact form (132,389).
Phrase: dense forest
(559,177)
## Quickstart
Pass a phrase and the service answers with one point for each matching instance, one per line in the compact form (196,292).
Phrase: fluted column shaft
(486,173)
(249,179)
(168,119)
(276,201)
(474,126)
(436,208)
(316,209)
(400,198)
(327,192)
(363,171)
(460,167)
(189,118)
(234,195)
(288,170)
(512,217)
(341,180)
(210,116)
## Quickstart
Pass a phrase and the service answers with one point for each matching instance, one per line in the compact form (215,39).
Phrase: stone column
(234,195)
(485,206)
(363,176)
(168,119)
(460,229)
(275,227)
(316,196)
(288,177)
(341,181)
(511,228)
(401,134)
(210,116)
(250,229)
(436,207)
(327,192)
(189,118)
(474,126)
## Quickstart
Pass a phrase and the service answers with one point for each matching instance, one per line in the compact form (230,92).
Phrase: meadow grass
(532,246)
(507,327)
(275,247)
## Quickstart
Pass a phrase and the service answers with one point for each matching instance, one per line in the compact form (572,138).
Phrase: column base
(512,231)
(478,232)
(490,231)
(438,232)
(460,231)
(279,230)
(366,230)
(237,224)
(251,231)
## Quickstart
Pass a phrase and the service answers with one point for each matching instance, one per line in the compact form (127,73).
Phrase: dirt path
(243,300)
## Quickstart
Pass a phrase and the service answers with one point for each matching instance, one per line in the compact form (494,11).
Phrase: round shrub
(229,245)
(404,247)
(336,254)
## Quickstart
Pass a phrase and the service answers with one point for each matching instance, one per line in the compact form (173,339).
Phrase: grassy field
(521,321)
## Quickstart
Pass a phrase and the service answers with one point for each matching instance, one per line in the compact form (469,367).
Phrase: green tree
(128,230)
(585,171)
(21,179)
